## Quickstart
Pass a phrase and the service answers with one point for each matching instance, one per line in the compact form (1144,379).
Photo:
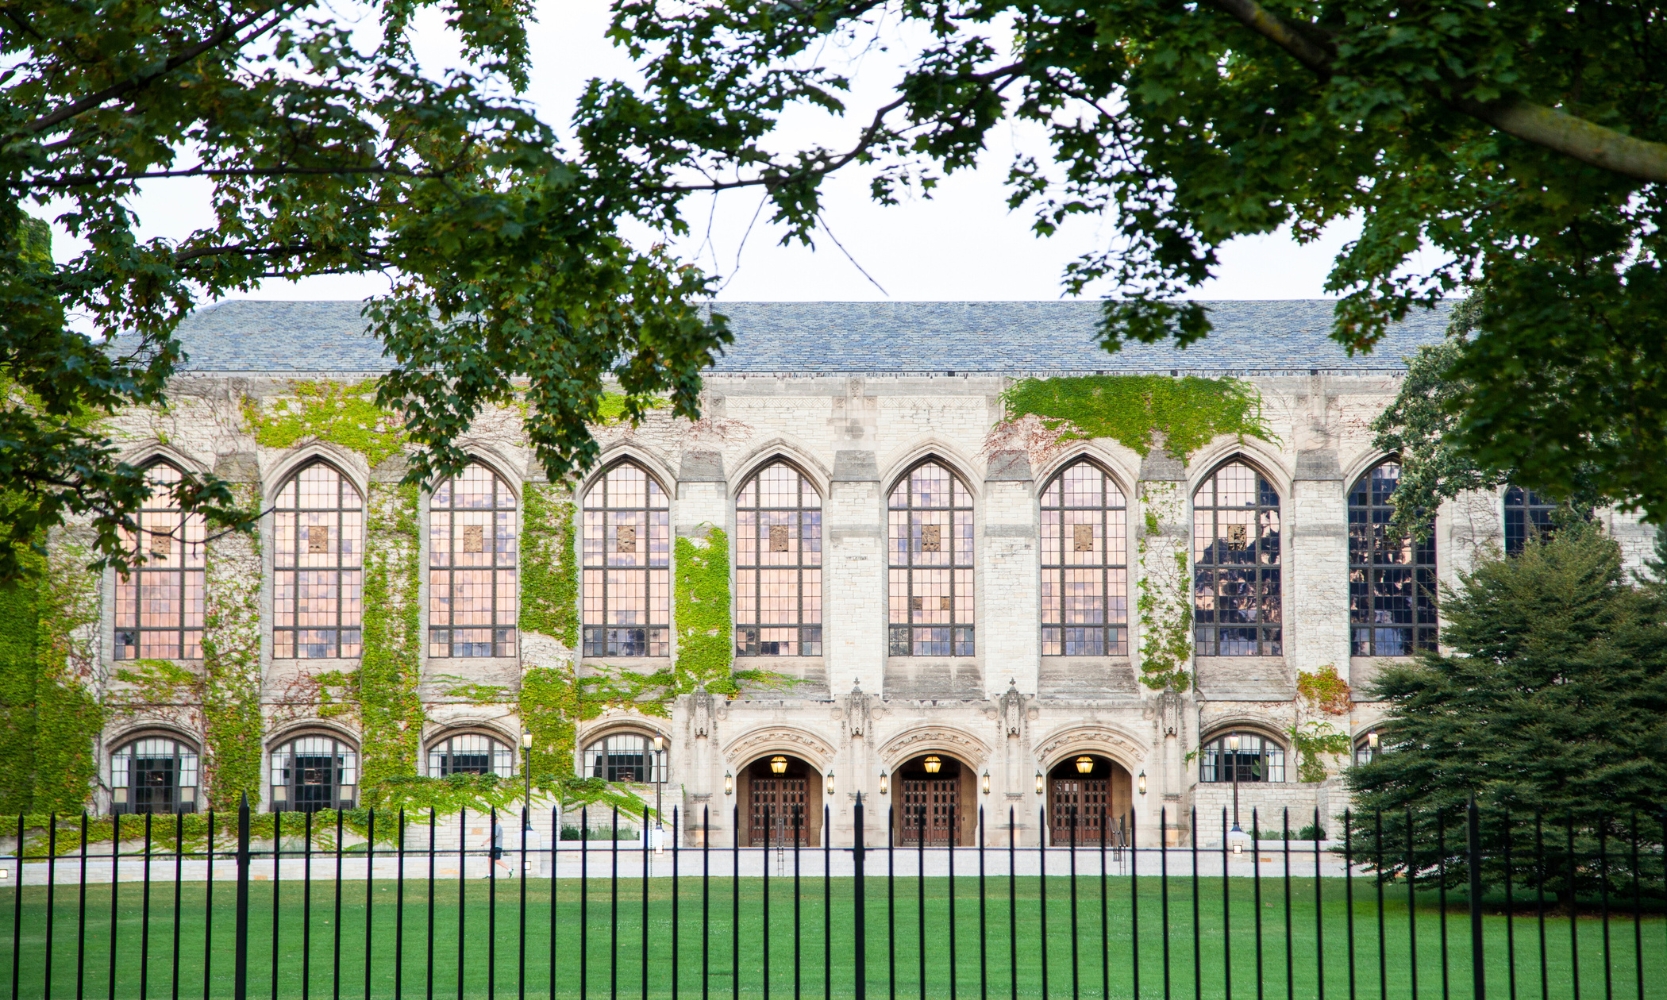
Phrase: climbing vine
(549,565)
(1324,691)
(1142,410)
(390,663)
(68,718)
(701,609)
(231,682)
(343,414)
(1311,740)
(1165,600)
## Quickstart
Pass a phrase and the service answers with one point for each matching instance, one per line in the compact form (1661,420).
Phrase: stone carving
(796,741)
(1079,738)
(1012,710)
(701,705)
(899,748)
(857,711)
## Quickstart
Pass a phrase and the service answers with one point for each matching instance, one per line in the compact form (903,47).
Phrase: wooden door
(778,812)
(931,806)
(1085,800)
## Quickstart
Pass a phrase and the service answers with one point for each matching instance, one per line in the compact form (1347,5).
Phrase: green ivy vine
(701,609)
(390,663)
(1165,601)
(343,414)
(1138,410)
(231,679)
(549,564)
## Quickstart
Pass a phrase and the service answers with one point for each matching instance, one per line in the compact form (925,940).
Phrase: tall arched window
(1236,584)
(627,565)
(155,774)
(1527,515)
(310,773)
(931,564)
(318,574)
(471,566)
(1085,582)
(159,603)
(778,565)
(1253,756)
(470,753)
(1392,581)
(625,757)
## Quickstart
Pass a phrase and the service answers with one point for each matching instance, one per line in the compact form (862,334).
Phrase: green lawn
(464,935)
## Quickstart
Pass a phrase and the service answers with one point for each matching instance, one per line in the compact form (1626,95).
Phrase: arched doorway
(1083,788)
(781,798)
(937,800)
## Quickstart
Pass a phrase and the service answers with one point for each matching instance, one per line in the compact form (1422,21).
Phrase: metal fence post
(240,975)
(1474,862)
(858,915)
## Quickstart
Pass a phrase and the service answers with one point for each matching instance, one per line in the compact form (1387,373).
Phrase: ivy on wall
(342,414)
(231,682)
(549,564)
(701,609)
(19,674)
(67,716)
(1324,692)
(390,665)
(1141,410)
(1165,597)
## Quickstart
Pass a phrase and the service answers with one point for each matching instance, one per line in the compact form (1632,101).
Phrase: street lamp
(527,771)
(1233,745)
(659,785)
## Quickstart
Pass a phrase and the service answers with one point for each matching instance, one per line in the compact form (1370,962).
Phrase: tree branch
(1555,130)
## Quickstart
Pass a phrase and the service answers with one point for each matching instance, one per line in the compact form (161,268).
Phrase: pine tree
(1553,699)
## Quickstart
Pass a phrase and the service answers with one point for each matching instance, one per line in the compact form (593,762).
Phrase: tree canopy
(1524,142)
(326,154)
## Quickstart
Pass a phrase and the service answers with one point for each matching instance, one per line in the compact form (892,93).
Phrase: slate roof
(858,338)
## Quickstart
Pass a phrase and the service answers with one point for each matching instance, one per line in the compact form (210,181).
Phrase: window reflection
(1085,595)
(1392,577)
(778,565)
(159,603)
(1236,576)
(624,757)
(471,558)
(312,773)
(470,753)
(626,568)
(154,775)
(317,565)
(1253,757)
(1527,515)
(931,589)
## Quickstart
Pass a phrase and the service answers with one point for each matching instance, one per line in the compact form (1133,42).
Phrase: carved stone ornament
(747,746)
(856,710)
(1012,710)
(1078,739)
(701,721)
(900,748)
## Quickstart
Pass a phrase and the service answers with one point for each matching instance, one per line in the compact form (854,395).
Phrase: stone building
(945,605)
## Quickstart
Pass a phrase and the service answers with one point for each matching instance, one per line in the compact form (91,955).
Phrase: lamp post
(527,770)
(1233,745)
(659,783)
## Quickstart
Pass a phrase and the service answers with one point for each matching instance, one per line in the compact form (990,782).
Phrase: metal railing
(240,916)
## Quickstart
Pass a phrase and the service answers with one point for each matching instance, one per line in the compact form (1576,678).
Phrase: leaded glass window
(1254,757)
(471,560)
(1392,576)
(310,773)
(778,565)
(931,586)
(1527,515)
(159,603)
(318,565)
(625,757)
(1085,579)
(154,775)
(470,753)
(1236,573)
(627,565)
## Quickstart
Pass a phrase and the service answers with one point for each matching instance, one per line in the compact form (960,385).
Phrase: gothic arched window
(318,565)
(310,773)
(625,757)
(778,565)
(1392,577)
(1253,756)
(931,564)
(627,565)
(471,566)
(159,602)
(1527,515)
(154,774)
(1085,579)
(470,753)
(1236,581)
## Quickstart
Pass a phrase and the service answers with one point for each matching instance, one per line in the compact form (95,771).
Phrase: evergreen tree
(1553,700)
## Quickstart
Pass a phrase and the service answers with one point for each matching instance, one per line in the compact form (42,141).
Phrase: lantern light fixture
(729,783)
(934,764)
(1140,782)
(830,784)
(778,764)
(885,783)
(1085,765)
(1041,785)
(1372,739)
(1233,742)
(986,784)
(659,742)
(527,741)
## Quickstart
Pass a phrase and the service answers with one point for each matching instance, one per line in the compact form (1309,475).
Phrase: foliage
(323,150)
(231,695)
(1165,601)
(1522,143)
(701,609)
(553,701)
(344,414)
(1311,740)
(549,564)
(1139,410)
(390,665)
(1324,691)
(19,675)
(1554,699)
(615,407)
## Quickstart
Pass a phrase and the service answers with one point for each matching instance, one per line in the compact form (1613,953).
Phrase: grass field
(484,940)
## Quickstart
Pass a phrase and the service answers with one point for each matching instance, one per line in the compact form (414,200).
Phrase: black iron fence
(390,908)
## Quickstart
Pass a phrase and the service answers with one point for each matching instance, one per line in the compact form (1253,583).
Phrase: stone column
(854,575)
(1009,598)
(1316,566)
(1161,637)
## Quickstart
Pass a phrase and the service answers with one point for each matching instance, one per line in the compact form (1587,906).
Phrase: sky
(961,244)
